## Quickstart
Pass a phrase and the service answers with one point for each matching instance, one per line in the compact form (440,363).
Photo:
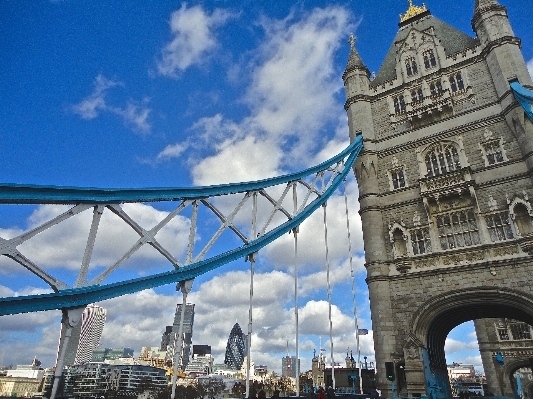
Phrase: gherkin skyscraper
(236,348)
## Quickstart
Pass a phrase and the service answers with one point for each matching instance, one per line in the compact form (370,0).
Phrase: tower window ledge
(429,106)
(445,184)
(465,94)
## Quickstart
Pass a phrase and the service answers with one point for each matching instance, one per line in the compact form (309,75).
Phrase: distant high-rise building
(289,366)
(236,348)
(201,350)
(92,326)
(166,338)
(85,337)
(188,322)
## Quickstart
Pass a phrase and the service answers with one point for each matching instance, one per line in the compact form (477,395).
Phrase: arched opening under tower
(438,316)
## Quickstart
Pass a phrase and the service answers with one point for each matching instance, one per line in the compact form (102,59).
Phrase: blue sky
(159,94)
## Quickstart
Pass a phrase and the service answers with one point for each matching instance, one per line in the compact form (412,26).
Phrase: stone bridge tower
(445,191)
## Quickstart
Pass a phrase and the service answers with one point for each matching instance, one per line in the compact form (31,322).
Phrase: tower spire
(354,60)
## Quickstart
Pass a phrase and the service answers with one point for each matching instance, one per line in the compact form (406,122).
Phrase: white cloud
(242,160)
(89,107)
(291,99)
(172,151)
(454,346)
(193,31)
(134,116)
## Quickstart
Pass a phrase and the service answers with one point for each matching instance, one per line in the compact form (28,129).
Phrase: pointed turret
(490,21)
(356,75)
(506,63)
(354,60)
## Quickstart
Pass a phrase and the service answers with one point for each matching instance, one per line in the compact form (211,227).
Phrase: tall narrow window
(460,83)
(398,179)
(453,85)
(456,82)
(420,241)
(458,229)
(411,66)
(493,152)
(429,59)
(499,226)
(399,104)
(503,334)
(442,159)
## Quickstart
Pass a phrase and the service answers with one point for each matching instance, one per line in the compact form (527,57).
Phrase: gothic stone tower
(444,189)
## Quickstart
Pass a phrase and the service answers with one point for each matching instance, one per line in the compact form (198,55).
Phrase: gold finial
(412,11)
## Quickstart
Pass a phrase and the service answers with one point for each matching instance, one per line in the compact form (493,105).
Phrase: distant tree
(188,392)
(210,387)
(284,385)
(238,390)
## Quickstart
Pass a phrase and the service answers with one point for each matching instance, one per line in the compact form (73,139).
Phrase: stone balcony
(446,184)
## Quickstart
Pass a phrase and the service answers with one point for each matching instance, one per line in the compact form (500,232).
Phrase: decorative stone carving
(416,219)
(493,205)
(463,258)
(425,263)
(505,251)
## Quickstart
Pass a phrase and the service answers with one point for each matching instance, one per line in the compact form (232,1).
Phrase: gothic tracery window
(417,95)
(456,82)
(411,67)
(435,88)
(520,330)
(499,226)
(399,104)
(420,241)
(429,59)
(458,229)
(442,159)
(397,178)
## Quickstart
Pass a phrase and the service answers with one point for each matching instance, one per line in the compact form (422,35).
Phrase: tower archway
(436,317)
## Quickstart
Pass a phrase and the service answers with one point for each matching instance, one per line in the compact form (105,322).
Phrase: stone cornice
(432,273)
(455,131)
(434,75)
(356,98)
(498,42)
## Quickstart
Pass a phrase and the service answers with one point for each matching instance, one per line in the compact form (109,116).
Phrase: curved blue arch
(38,194)
(76,297)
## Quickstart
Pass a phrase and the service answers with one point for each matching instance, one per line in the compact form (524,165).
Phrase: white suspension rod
(329,297)
(251,257)
(295,232)
(353,290)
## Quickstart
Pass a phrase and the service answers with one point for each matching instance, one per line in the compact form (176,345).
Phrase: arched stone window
(456,82)
(399,104)
(429,59)
(441,159)
(522,219)
(400,246)
(410,66)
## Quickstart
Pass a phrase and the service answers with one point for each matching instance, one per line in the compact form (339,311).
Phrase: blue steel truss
(67,297)
(524,97)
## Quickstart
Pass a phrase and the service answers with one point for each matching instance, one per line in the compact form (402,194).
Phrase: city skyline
(147,95)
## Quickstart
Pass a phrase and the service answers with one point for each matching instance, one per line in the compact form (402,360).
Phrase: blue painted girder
(524,97)
(77,297)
